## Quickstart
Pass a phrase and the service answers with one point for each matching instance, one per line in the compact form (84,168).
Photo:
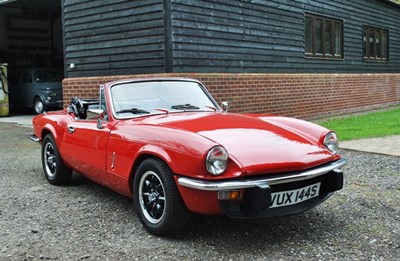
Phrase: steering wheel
(74,109)
(77,107)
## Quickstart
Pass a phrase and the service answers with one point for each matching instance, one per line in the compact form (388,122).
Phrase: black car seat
(77,108)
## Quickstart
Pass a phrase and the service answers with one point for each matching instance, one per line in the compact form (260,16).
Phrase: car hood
(256,145)
(53,86)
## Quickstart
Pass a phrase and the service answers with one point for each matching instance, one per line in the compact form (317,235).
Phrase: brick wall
(306,96)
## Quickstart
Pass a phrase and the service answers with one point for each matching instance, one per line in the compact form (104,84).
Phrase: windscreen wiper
(133,111)
(187,106)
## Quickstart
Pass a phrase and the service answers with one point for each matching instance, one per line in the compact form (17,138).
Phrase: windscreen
(149,97)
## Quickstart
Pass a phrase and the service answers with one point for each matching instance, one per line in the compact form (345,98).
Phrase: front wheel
(53,166)
(38,106)
(157,200)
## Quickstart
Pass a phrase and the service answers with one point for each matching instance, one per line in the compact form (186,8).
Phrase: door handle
(71,129)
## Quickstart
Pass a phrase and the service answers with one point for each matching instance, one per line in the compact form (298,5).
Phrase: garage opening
(30,37)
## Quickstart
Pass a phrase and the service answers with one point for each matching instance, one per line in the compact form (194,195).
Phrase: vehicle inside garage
(30,36)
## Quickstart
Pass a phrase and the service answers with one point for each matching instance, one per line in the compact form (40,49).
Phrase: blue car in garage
(40,89)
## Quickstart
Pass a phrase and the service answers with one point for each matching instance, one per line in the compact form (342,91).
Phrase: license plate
(290,197)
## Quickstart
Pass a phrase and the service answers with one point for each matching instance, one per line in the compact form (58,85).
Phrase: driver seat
(77,108)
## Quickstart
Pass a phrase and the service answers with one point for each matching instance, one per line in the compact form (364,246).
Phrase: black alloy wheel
(157,201)
(53,166)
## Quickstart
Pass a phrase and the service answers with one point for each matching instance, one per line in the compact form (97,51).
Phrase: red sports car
(167,144)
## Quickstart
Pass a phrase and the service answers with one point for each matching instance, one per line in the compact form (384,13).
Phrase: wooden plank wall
(120,37)
(112,37)
(262,36)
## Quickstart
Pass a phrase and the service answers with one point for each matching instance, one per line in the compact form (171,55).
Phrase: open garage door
(30,35)
(31,39)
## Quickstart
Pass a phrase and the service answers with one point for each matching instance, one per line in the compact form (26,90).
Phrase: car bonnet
(257,145)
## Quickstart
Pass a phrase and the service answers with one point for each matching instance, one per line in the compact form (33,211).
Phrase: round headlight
(331,141)
(217,160)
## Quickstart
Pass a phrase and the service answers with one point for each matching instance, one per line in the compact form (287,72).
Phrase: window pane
(328,37)
(308,34)
(384,45)
(378,43)
(318,36)
(338,39)
(365,36)
(371,44)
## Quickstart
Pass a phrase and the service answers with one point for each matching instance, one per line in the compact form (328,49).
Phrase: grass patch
(375,124)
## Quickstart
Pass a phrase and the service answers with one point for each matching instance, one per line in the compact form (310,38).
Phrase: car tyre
(38,106)
(56,172)
(157,201)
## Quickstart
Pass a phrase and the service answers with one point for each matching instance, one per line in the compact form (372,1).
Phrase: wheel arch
(44,133)
(40,97)
(49,129)
(147,153)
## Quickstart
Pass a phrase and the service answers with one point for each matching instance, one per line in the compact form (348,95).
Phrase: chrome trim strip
(34,138)
(249,183)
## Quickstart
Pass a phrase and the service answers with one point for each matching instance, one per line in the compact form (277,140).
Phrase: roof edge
(390,2)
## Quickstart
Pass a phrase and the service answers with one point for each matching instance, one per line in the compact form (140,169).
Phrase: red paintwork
(257,144)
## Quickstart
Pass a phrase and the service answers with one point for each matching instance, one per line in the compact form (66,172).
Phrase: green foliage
(375,124)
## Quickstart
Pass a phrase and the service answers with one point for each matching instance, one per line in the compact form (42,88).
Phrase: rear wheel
(53,166)
(157,200)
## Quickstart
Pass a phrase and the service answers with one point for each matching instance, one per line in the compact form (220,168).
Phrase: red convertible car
(167,144)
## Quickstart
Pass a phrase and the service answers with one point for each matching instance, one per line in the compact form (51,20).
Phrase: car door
(84,148)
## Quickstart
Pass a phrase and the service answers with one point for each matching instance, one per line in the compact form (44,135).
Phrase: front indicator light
(230,195)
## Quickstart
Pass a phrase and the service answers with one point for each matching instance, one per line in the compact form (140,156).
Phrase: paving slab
(389,145)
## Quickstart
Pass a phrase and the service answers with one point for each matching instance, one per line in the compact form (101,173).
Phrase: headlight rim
(331,145)
(211,169)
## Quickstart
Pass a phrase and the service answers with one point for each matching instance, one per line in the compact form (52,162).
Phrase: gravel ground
(84,221)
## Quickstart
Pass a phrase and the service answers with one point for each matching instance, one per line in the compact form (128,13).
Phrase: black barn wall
(115,37)
(262,36)
(105,37)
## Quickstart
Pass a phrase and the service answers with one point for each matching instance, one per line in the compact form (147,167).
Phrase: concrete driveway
(22,120)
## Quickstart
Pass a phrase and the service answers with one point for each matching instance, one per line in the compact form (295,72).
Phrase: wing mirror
(225,106)
(93,114)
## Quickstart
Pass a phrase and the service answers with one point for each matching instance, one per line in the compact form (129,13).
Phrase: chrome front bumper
(261,182)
